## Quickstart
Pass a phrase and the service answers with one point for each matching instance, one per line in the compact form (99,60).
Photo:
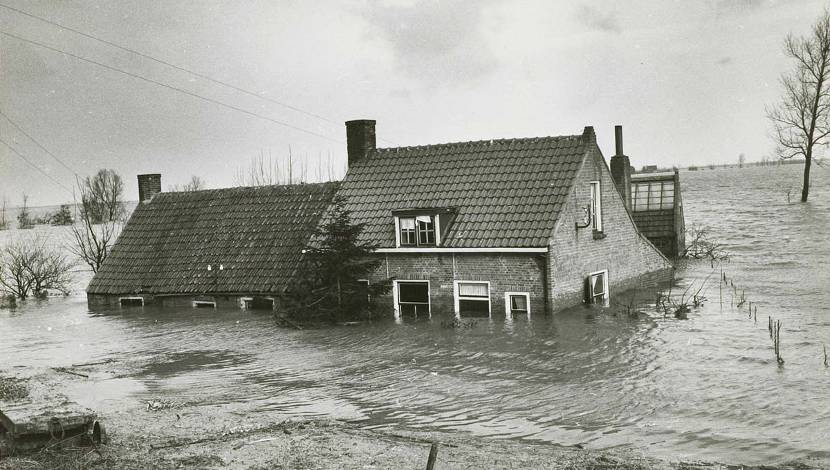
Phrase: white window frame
(243,300)
(596,206)
(457,298)
(196,303)
(396,295)
(509,311)
(436,224)
(606,297)
(130,298)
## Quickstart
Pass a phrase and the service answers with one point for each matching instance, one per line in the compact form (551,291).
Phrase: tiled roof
(506,193)
(257,234)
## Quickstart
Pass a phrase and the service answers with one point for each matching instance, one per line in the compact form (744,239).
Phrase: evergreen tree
(328,284)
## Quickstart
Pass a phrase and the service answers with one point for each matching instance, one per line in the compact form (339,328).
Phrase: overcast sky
(688,80)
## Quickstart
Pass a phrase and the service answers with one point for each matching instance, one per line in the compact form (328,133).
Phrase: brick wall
(173,301)
(629,259)
(513,272)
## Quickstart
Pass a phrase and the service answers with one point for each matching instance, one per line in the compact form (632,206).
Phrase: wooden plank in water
(30,418)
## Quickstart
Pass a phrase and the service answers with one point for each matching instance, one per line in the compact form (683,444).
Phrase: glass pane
(668,185)
(473,290)
(668,201)
(407,224)
(474,308)
(654,194)
(413,292)
(598,284)
(518,302)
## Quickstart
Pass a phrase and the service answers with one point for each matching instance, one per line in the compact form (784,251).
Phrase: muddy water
(708,387)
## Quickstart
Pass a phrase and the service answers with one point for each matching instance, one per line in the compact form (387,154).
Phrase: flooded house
(496,227)
(217,247)
(508,227)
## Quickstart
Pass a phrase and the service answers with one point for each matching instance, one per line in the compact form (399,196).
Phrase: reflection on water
(707,388)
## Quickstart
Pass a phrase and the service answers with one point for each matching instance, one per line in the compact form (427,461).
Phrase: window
(597,288)
(596,206)
(417,231)
(652,196)
(412,297)
(131,301)
(472,298)
(517,303)
(204,304)
(407,231)
(257,303)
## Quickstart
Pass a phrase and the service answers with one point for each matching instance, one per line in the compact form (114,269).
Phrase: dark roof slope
(257,234)
(507,193)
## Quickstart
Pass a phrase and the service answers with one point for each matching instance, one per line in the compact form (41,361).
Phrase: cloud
(598,20)
(437,42)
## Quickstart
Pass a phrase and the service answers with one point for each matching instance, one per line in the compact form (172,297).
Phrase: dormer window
(417,230)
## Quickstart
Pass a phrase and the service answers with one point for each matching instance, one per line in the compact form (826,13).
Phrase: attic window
(596,206)
(416,230)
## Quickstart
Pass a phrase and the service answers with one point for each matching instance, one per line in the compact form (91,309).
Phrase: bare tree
(195,184)
(3,224)
(28,266)
(94,235)
(24,218)
(802,119)
(101,196)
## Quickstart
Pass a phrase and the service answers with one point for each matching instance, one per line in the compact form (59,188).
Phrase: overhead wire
(23,157)
(20,129)
(180,90)
(169,64)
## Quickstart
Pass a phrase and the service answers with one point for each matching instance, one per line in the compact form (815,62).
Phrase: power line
(177,67)
(35,166)
(180,90)
(37,143)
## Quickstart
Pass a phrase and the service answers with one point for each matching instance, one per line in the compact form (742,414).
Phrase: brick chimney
(621,169)
(360,138)
(148,186)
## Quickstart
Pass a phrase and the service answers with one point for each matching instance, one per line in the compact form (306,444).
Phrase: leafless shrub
(701,246)
(28,266)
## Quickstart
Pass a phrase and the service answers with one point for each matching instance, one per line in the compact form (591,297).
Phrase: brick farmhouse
(489,228)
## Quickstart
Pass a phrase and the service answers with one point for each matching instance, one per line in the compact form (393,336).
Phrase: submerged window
(652,196)
(203,304)
(597,288)
(517,303)
(413,297)
(131,301)
(257,303)
(473,298)
(596,206)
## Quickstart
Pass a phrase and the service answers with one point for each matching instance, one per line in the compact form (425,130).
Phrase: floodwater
(704,388)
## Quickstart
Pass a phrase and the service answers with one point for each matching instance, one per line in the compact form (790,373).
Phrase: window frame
(436,231)
(396,303)
(606,295)
(643,189)
(203,304)
(129,298)
(596,206)
(508,308)
(457,298)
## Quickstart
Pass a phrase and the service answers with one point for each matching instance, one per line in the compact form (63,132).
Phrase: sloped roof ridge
(292,186)
(478,142)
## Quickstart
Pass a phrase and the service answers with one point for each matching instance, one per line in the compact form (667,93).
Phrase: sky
(688,81)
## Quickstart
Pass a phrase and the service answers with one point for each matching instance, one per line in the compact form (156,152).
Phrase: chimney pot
(621,169)
(148,186)
(360,139)
(618,139)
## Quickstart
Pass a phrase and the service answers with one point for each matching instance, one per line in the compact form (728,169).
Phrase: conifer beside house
(492,228)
